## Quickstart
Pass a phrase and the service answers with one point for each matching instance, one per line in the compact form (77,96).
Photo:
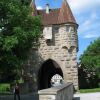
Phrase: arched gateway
(48,69)
(57,52)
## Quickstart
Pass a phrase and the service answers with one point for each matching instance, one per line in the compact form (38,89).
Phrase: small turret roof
(65,14)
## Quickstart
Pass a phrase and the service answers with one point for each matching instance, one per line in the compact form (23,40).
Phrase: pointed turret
(65,14)
(34,12)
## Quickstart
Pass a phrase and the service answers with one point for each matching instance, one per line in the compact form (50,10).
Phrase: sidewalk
(87,96)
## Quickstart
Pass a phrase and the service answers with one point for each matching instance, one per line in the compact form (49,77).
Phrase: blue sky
(87,15)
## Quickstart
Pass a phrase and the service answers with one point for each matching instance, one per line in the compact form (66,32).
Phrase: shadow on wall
(30,70)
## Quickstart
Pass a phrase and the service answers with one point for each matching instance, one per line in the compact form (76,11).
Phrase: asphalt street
(32,96)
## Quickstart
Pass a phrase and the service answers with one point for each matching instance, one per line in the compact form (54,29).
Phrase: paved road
(23,97)
(32,96)
(87,96)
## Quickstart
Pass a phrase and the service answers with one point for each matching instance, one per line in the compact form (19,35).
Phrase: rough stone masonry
(57,51)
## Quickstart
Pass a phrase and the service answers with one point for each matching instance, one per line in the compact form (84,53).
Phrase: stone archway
(47,70)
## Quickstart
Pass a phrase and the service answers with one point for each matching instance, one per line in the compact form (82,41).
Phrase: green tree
(18,30)
(90,61)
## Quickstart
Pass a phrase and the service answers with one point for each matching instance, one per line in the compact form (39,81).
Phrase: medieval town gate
(57,52)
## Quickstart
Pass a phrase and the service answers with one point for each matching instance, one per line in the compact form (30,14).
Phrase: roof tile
(56,16)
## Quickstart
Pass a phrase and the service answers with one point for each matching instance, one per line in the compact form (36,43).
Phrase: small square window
(56,29)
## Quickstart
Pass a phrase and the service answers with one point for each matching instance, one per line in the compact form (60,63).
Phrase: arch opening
(48,69)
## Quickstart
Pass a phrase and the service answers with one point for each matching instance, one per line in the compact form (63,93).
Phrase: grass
(89,90)
(4,87)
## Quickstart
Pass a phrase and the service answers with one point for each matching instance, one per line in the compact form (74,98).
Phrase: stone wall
(62,92)
(62,48)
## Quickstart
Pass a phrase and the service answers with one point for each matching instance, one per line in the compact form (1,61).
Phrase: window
(70,28)
(56,29)
(47,33)
(47,28)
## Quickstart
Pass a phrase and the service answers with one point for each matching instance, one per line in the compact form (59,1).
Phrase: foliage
(90,62)
(18,30)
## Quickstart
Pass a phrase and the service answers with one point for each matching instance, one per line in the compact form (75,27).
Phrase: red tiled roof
(56,16)
(51,18)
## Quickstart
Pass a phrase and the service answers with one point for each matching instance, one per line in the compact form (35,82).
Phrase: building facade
(57,52)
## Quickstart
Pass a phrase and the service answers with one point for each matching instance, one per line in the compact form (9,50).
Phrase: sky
(87,15)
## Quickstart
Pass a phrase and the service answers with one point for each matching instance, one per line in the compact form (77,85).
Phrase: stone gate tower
(57,53)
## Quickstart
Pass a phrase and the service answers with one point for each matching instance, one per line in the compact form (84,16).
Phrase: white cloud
(94,16)
(81,5)
(91,35)
(87,23)
(90,20)
(39,7)
(89,26)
